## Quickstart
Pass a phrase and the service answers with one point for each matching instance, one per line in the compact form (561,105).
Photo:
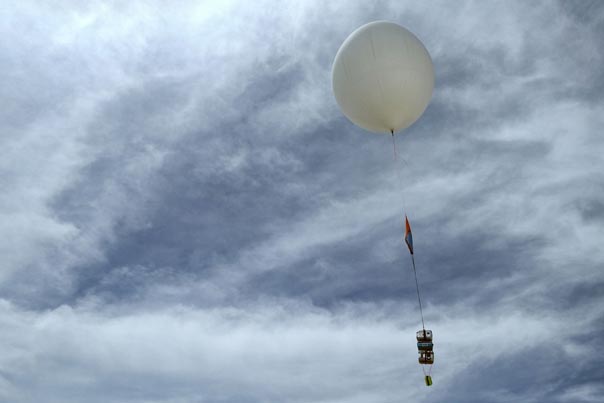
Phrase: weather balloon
(382,77)
(383,80)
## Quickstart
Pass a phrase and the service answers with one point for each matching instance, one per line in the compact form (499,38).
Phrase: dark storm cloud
(190,215)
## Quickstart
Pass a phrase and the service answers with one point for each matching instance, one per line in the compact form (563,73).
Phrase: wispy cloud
(186,215)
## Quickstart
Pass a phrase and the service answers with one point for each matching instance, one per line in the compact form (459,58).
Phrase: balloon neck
(392,131)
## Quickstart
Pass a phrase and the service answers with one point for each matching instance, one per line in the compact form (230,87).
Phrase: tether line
(419,299)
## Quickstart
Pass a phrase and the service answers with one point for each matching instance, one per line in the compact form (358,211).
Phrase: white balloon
(382,77)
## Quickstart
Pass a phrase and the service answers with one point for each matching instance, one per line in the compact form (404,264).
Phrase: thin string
(402,193)
(429,369)
(417,289)
(399,179)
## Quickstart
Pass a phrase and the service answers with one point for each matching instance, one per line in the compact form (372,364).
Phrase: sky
(187,216)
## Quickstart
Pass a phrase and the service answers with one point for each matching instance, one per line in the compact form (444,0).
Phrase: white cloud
(266,352)
(100,98)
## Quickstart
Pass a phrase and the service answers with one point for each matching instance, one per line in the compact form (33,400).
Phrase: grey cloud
(190,218)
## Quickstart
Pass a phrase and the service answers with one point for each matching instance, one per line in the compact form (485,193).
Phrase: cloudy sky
(188,217)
